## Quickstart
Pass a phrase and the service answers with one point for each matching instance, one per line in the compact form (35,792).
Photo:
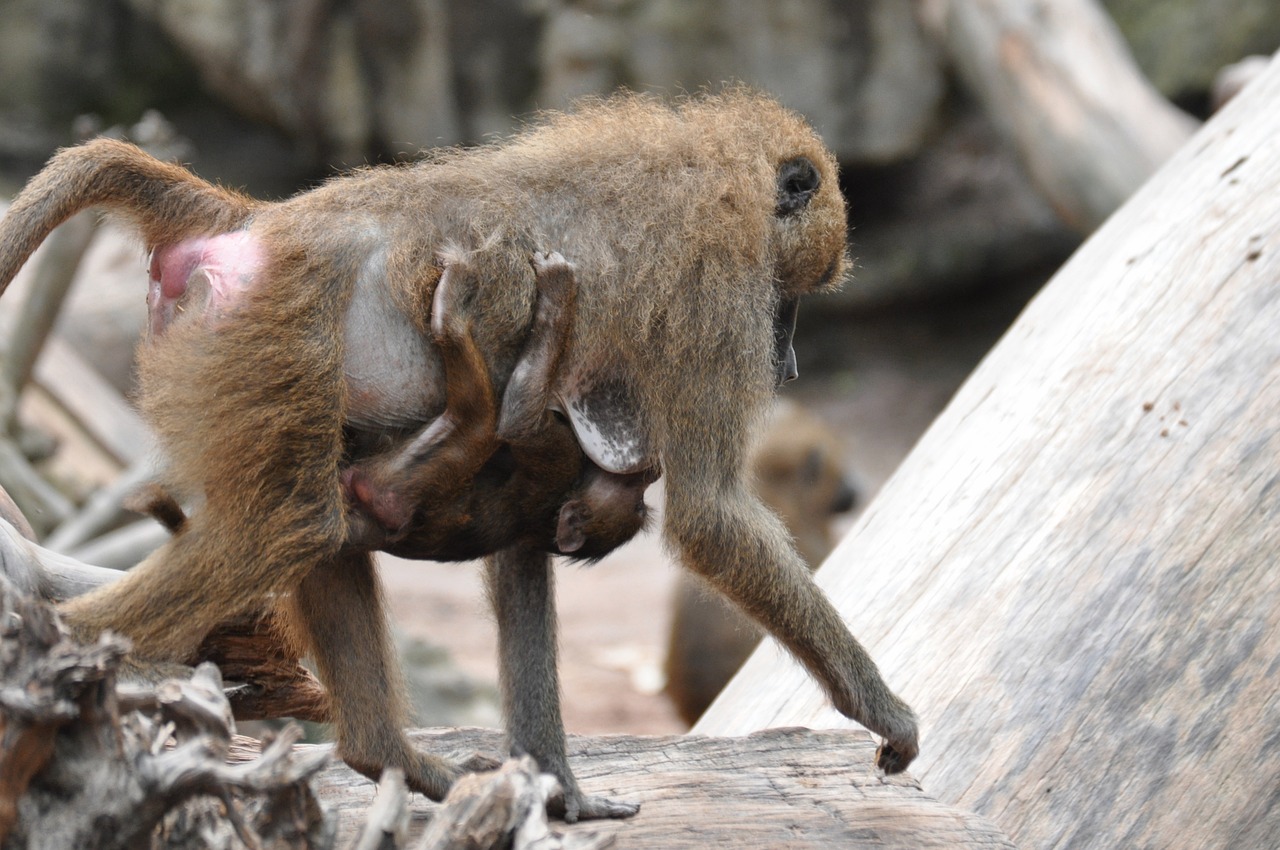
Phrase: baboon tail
(163,201)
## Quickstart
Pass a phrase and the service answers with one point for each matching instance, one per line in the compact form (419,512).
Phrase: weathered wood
(503,808)
(269,680)
(777,789)
(792,787)
(53,277)
(104,511)
(1072,577)
(42,505)
(1060,83)
(84,766)
(91,400)
(273,681)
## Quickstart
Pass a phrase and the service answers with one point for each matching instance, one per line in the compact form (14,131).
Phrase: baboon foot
(577,806)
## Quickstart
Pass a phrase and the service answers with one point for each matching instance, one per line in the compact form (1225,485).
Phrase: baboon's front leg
(520,588)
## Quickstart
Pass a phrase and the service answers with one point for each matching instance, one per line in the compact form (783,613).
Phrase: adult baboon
(694,229)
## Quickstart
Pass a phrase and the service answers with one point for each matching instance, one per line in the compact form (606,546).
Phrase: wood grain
(785,788)
(1072,578)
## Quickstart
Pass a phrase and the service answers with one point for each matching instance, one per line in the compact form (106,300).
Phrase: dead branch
(82,770)
(269,681)
(504,808)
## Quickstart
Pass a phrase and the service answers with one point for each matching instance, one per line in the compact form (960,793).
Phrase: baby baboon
(798,472)
(478,479)
(694,229)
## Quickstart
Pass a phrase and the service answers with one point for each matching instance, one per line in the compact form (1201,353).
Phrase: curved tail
(164,202)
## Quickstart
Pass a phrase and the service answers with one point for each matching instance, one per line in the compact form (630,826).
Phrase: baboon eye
(798,181)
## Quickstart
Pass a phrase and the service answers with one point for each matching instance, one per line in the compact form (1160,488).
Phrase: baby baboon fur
(448,493)
(694,228)
(799,472)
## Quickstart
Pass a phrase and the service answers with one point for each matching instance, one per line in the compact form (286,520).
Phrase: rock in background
(276,94)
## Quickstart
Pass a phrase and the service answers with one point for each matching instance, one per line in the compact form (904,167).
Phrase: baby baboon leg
(444,457)
(153,500)
(528,393)
(339,615)
(519,581)
(466,427)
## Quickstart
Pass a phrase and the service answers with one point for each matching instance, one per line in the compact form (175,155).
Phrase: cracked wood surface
(778,789)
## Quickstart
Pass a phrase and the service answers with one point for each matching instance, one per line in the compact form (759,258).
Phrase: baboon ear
(798,181)
(569,530)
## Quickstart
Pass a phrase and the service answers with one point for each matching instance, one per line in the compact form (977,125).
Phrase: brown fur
(799,474)
(688,237)
(443,495)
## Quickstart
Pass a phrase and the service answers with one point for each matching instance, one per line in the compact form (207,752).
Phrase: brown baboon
(798,472)
(694,229)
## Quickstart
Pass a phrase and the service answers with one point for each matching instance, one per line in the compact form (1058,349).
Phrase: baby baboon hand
(557,285)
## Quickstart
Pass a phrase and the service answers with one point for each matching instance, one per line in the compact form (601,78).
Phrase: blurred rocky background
(952,225)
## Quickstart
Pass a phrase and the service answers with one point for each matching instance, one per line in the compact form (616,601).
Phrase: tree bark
(1072,577)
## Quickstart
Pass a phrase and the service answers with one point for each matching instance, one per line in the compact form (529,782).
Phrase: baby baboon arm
(443,458)
(519,581)
(528,393)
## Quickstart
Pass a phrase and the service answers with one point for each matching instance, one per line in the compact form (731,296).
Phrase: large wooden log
(1072,577)
(1060,83)
(781,788)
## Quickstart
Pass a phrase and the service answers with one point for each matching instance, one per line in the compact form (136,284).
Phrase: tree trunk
(1072,578)
(1059,81)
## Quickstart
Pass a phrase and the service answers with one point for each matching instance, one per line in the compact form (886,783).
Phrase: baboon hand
(901,741)
(893,720)
(544,261)
(891,760)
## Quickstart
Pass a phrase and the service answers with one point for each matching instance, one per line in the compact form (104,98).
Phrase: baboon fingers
(891,761)
(449,319)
